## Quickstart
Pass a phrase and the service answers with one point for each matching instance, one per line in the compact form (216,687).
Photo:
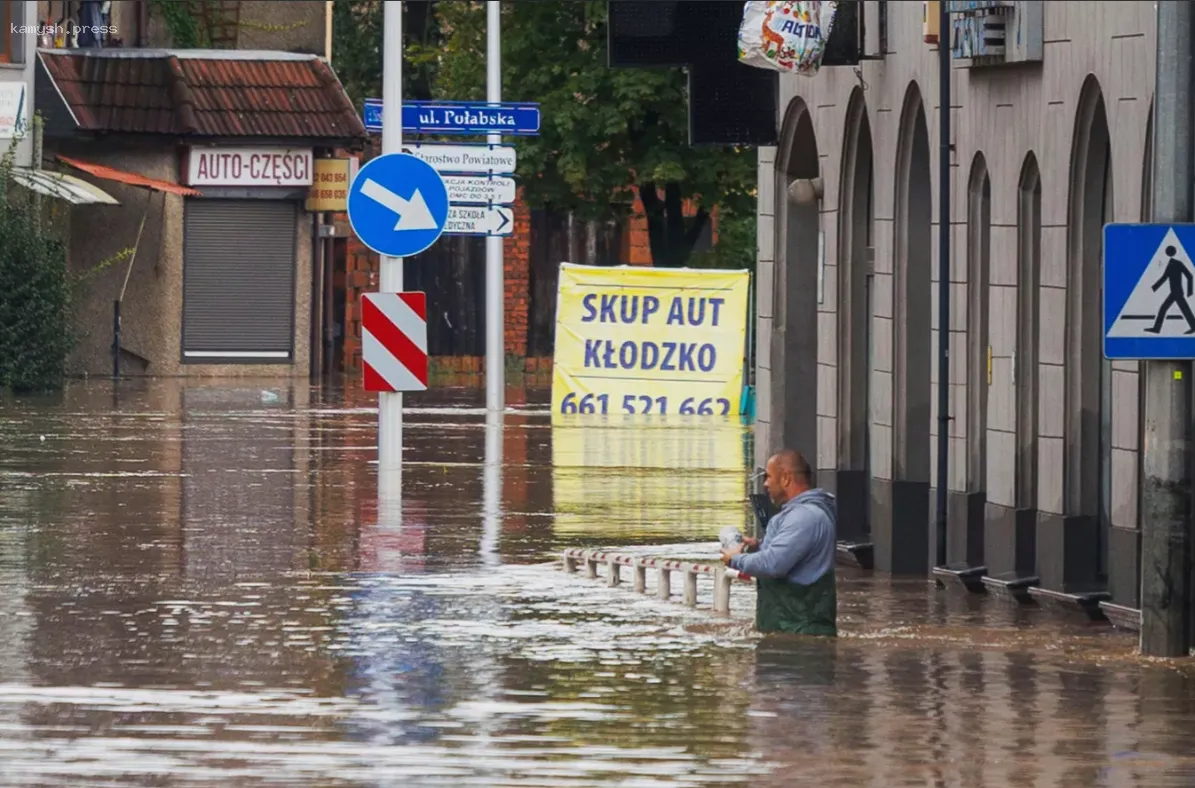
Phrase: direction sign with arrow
(398,205)
(477,220)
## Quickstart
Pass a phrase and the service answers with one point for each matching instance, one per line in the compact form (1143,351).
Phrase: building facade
(18,44)
(211,255)
(218,24)
(1044,434)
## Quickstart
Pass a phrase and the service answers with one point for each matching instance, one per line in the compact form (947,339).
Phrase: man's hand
(731,553)
(750,543)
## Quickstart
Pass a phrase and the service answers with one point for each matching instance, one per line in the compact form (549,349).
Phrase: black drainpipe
(943,274)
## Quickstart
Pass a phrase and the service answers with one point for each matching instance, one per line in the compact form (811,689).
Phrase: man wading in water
(794,563)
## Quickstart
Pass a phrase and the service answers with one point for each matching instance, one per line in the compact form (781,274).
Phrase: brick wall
(361,276)
(516,257)
(635,242)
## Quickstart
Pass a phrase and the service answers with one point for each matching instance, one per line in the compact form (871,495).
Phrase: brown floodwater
(196,589)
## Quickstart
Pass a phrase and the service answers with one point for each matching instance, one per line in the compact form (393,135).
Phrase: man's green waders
(796,609)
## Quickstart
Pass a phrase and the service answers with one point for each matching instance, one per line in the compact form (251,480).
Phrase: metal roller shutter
(238,280)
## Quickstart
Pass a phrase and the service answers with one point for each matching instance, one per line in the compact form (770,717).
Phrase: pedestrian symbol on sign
(1160,303)
(1176,275)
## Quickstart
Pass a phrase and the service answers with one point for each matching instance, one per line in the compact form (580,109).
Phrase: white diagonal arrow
(413,214)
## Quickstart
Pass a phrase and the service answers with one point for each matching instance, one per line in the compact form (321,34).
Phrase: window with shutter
(238,281)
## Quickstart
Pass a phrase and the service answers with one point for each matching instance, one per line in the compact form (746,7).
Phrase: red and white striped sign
(394,341)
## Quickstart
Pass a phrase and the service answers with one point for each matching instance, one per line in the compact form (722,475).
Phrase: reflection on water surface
(196,589)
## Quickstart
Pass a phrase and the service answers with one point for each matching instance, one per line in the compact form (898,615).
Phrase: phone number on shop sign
(643,404)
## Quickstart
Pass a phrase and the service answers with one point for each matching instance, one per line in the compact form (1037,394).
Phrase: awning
(130,178)
(74,190)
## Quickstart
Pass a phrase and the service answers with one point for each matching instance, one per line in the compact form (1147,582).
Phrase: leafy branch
(35,292)
(182,20)
(115,259)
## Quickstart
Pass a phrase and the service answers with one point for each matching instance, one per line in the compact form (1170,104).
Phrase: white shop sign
(249,167)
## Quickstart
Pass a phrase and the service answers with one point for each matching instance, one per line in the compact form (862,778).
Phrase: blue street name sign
(1149,291)
(398,205)
(453,117)
(372,115)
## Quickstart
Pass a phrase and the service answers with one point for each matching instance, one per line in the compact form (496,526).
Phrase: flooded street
(195,589)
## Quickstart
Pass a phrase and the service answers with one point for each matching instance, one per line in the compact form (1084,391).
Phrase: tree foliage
(35,327)
(607,135)
(357,33)
(183,21)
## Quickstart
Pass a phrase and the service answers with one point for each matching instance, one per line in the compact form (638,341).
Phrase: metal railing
(723,577)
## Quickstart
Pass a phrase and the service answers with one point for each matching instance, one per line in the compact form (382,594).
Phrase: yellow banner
(649,341)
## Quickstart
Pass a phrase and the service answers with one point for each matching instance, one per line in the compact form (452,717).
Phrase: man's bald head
(795,463)
(789,475)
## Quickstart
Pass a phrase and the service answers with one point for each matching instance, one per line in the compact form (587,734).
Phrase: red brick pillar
(361,276)
(637,245)
(516,251)
(636,242)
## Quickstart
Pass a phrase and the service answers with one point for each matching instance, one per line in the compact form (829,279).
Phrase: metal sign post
(390,403)
(478,206)
(495,291)
(491,490)
(1166,591)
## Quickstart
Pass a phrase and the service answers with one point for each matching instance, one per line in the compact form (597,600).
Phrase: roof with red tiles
(203,93)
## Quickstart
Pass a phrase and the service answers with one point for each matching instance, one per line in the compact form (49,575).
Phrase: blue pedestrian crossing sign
(1149,291)
(398,205)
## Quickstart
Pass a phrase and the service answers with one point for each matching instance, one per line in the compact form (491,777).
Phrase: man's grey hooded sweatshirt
(799,544)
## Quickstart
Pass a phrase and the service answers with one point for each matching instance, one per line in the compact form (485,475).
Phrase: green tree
(604,130)
(35,328)
(607,135)
(357,28)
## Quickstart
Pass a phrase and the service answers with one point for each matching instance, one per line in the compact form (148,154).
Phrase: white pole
(495,318)
(491,510)
(390,404)
(495,290)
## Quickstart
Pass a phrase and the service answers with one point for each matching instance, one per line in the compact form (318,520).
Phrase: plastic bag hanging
(786,35)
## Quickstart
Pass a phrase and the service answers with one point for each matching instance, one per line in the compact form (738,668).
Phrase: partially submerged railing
(723,577)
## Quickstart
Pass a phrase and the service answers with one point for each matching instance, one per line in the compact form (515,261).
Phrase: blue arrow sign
(459,117)
(1149,291)
(398,205)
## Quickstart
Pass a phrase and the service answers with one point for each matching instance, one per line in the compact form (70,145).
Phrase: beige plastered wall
(152,307)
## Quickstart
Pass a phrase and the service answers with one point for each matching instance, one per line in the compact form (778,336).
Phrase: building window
(238,281)
(1090,190)
(1025,361)
(13,44)
(979,244)
(8,38)
(913,335)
